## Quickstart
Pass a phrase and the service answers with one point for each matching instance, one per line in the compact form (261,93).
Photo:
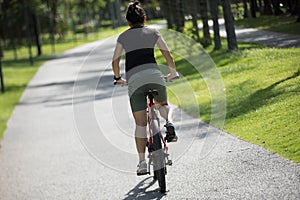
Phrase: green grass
(262,95)
(262,89)
(282,24)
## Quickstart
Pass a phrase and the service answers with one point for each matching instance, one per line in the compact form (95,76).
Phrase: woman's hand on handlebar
(172,76)
(121,82)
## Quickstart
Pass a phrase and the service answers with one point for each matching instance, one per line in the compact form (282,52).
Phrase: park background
(262,82)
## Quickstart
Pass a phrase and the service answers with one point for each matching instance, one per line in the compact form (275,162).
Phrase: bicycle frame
(154,126)
(154,123)
(158,153)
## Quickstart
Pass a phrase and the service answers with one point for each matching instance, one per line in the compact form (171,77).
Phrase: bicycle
(157,146)
(158,154)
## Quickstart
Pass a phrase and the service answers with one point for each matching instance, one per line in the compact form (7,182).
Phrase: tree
(276,7)
(10,17)
(297,9)
(253,8)
(203,12)
(25,11)
(179,15)
(173,11)
(192,7)
(214,13)
(1,74)
(245,4)
(37,30)
(52,8)
(229,25)
(267,9)
(260,7)
(165,6)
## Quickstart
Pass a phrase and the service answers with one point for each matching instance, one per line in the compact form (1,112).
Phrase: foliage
(54,18)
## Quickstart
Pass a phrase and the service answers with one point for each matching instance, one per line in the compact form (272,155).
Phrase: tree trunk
(8,27)
(261,10)
(267,7)
(246,11)
(253,8)
(118,12)
(173,12)
(72,21)
(36,26)
(204,17)
(293,6)
(51,24)
(179,15)
(276,7)
(112,14)
(214,14)
(165,6)
(1,74)
(25,12)
(297,8)
(193,9)
(229,25)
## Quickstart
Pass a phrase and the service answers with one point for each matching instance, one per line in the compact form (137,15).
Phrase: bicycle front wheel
(159,163)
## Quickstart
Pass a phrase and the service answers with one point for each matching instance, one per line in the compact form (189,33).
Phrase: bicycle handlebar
(166,79)
(176,77)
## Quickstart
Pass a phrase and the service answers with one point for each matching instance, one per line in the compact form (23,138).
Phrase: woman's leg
(140,118)
(167,113)
(165,110)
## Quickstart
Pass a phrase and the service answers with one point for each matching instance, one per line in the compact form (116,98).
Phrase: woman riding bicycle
(142,74)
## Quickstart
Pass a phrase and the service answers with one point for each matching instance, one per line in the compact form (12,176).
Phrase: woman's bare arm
(116,62)
(168,56)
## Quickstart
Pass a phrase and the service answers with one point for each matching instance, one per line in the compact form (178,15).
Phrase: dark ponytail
(135,14)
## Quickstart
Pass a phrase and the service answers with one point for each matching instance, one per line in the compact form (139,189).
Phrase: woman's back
(139,43)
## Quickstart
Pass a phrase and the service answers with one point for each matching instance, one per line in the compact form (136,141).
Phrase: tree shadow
(93,88)
(259,98)
(140,191)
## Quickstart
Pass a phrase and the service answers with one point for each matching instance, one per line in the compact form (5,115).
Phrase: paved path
(267,38)
(70,138)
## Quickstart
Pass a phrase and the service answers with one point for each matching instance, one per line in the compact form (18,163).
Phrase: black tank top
(138,43)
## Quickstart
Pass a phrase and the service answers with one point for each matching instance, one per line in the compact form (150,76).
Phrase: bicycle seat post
(150,95)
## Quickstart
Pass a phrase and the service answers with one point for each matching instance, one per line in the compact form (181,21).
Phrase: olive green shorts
(140,83)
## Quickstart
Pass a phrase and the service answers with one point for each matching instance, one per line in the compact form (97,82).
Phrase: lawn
(282,24)
(262,89)
(262,94)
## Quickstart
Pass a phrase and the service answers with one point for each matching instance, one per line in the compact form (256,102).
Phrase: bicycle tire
(159,163)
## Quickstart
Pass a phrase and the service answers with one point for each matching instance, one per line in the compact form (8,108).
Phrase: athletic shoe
(170,133)
(142,168)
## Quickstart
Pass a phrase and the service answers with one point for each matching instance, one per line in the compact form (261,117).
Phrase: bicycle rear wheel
(159,163)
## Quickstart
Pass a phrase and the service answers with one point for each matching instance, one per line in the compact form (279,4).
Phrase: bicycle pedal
(174,139)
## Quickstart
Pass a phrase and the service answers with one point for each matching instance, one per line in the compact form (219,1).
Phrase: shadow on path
(140,191)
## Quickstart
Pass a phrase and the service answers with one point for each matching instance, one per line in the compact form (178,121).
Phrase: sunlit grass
(262,95)
(283,23)
(262,89)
